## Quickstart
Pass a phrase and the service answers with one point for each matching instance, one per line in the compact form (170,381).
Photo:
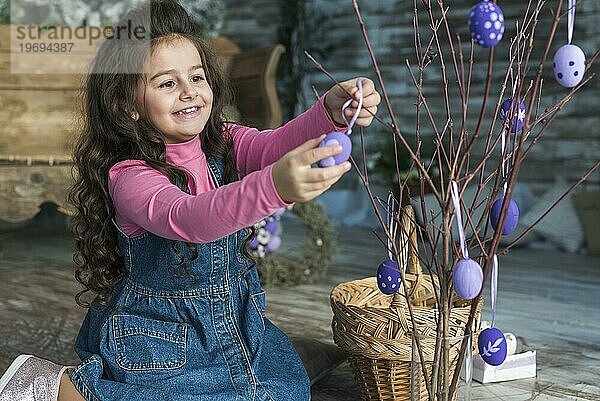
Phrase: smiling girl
(165,190)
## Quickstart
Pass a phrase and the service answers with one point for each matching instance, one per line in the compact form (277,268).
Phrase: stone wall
(569,147)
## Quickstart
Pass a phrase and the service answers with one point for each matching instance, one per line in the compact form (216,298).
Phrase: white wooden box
(517,366)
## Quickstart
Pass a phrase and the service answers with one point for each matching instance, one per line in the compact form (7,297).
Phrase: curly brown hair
(110,135)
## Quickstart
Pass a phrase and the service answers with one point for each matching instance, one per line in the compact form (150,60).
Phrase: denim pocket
(148,344)
(258,300)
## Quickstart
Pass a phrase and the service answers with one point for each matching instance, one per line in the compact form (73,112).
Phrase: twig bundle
(465,151)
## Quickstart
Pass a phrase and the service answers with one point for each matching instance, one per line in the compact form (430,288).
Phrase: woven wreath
(279,270)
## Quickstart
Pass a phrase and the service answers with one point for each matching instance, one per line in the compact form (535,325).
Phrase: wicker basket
(375,330)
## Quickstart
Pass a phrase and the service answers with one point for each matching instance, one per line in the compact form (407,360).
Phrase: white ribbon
(494,287)
(348,103)
(391,204)
(461,232)
(571,19)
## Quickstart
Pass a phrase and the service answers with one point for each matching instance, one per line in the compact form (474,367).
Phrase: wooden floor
(550,300)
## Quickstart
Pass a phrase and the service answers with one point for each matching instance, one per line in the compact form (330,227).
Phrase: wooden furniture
(39,118)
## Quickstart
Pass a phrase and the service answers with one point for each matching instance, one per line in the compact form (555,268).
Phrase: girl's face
(175,94)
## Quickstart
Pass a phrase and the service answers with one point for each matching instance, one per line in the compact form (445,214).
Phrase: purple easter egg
(511,219)
(336,138)
(467,278)
(253,244)
(273,244)
(388,277)
(569,65)
(492,346)
(272,226)
(486,24)
(509,108)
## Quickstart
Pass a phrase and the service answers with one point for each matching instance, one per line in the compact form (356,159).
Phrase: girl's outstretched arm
(256,149)
(144,199)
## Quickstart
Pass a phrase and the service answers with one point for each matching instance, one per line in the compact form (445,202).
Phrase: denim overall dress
(167,336)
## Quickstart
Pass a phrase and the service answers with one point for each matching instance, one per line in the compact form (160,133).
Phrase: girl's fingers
(316,174)
(368,88)
(364,118)
(368,85)
(311,156)
(325,185)
(370,100)
(365,112)
(307,146)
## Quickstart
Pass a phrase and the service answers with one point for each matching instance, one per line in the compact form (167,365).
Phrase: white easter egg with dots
(486,24)
(569,65)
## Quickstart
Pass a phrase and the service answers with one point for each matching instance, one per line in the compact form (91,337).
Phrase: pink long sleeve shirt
(145,199)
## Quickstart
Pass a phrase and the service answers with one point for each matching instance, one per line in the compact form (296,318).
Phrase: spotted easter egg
(467,278)
(492,346)
(509,108)
(388,277)
(511,219)
(569,65)
(336,138)
(486,24)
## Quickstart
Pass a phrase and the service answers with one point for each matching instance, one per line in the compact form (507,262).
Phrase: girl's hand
(337,95)
(294,178)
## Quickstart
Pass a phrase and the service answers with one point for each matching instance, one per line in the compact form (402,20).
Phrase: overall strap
(216,167)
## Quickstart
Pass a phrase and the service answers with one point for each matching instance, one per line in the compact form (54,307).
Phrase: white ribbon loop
(348,103)
(391,205)
(571,19)
(461,232)
(494,287)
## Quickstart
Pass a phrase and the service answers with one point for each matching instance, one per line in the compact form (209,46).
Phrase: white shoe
(30,378)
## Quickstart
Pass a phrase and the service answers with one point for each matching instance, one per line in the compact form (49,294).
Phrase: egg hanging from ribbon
(569,65)
(509,108)
(388,277)
(336,138)
(486,24)
(512,215)
(467,278)
(492,346)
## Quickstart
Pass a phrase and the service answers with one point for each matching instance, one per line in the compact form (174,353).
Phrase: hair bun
(161,18)
(168,17)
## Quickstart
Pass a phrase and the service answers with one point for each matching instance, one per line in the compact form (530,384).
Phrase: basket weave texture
(376,331)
